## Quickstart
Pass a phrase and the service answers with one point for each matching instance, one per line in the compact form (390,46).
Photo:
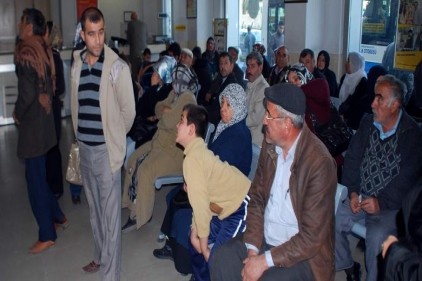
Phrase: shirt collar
(292,149)
(384,135)
(83,56)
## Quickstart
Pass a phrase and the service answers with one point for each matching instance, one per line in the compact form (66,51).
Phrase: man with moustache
(290,221)
(383,162)
(255,96)
(278,70)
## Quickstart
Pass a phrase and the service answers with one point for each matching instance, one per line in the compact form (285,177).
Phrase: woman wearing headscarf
(323,63)
(352,93)
(318,105)
(232,142)
(316,91)
(160,156)
(145,124)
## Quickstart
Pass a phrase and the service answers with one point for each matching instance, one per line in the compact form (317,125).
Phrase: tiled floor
(74,246)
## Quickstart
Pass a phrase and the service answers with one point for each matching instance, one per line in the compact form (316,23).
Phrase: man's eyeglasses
(269,117)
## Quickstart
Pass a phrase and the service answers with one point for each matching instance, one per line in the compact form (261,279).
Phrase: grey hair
(395,85)
(297,120)
(257,56)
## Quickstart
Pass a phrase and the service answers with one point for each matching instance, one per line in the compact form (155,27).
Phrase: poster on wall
(409,35)
(81,5)
(220,34)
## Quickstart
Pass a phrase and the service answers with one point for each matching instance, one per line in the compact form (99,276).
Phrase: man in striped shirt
(103,111)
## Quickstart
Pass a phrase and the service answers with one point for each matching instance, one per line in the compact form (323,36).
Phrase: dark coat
(356,105)
(234,145)
(332,81)
(36,130)
(410,166)
(403,259)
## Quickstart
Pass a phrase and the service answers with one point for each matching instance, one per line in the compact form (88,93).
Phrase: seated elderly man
(383,162)
(290,222)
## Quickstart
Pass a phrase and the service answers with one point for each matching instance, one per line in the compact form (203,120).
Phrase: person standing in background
(103,111)
(35,122)
(54,157)
(137,35)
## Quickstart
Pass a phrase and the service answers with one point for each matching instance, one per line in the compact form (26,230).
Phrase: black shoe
(76,199)
(129,226)
(163,253)
(354,273)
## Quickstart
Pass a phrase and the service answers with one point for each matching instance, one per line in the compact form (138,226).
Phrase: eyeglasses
(269,117)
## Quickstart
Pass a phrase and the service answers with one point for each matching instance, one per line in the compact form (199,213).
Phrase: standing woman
(323,62)
(352,94)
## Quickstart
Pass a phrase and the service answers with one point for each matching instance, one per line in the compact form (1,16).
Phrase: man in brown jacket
(290,223)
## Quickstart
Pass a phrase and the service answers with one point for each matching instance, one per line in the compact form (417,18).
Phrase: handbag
(335,133)
(73,172)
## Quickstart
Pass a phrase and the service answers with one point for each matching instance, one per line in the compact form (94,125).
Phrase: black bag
(142,130)
(335,134)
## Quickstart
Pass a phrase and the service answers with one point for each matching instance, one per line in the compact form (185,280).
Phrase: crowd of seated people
(370,105)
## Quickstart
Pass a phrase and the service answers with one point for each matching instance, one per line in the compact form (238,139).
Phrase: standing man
(102,113)
(276,40)
(255,96)
(249,41)
(290,222)
(137,35)
(383,162)
(279,69)
(34,118)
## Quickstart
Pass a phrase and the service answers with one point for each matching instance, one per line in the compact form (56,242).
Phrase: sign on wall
(81,5)
(220,34)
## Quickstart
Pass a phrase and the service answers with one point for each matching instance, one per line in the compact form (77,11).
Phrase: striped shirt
(90,126)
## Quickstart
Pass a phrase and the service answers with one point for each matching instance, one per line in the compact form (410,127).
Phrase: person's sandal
(92,267)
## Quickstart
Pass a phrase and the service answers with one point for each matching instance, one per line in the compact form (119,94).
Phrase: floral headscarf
(302,72)
(184,79)
(236,97)
(164,67)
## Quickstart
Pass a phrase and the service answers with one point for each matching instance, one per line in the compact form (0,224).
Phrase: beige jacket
(116,102)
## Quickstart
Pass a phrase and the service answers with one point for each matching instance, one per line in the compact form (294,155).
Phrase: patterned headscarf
(164,67)
(259,48)
(236,97)
(302,72)
(184,79)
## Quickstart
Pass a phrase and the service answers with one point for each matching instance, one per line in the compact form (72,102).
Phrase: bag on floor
(73,172)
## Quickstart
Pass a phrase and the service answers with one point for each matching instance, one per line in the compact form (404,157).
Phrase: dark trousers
(54,157)
(227,264)
(54,170)
(44,205)
(221,231)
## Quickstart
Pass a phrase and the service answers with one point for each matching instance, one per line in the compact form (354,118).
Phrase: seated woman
(353,89)
(318,106)
(160,156)
(323,62)
(145,123)
(232,143)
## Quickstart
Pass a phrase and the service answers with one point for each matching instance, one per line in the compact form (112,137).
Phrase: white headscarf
(236,97)
(357,69)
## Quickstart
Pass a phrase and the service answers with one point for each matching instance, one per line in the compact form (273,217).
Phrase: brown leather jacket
(313,184)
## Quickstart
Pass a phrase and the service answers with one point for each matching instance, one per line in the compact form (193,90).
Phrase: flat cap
(288,96)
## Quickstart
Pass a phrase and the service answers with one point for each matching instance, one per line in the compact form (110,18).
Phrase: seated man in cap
(290,222)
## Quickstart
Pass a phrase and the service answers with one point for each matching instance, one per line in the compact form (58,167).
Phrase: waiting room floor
(74,245)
